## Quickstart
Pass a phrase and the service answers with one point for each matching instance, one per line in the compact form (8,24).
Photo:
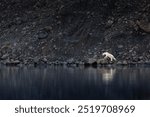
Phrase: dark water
(74,83)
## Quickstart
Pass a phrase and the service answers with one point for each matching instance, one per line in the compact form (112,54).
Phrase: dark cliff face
(79,29)
(16,4)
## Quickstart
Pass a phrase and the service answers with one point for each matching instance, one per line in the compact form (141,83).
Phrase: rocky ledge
(91,62)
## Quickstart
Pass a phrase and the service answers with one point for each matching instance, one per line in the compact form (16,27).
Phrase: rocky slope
(43,31)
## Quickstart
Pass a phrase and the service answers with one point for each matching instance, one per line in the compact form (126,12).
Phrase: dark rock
(44,60)
(12,62)
(48,28)
(134,59)
(53,63)
(70,61)
(144,25)
(119,63)
(120,46)
(124,62)
(90,61)
(99,61)
(25,62)
(104,62)
(132,63)
(4,57)
(72,65)
(141,58)
(42,34)
(36,60)
(64,63)
(80,63)
(109,23)
(140,62)
(147,62)
(18,21)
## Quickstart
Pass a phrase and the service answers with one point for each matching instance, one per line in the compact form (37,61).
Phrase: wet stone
(44,60)
(124,62)
(70,61)
(119,63)
(12,62)
(36,60)
(90,61)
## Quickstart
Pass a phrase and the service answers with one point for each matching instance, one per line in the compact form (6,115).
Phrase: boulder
(12,62)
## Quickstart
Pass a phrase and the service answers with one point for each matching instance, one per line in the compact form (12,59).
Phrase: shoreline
(75,64)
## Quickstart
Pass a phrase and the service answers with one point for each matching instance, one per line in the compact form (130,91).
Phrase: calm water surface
(74,83)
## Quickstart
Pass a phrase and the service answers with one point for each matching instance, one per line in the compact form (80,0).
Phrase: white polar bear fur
(108,55)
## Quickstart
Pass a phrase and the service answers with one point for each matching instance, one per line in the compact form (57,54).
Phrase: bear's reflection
(107,73)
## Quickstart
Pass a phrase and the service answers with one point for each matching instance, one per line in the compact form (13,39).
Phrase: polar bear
(109,56)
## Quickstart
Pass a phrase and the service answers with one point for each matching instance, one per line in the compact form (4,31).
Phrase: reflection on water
(74,83)
(107,74)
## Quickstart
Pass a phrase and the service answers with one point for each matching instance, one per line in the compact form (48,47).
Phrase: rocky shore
(74,32)
(74,63)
